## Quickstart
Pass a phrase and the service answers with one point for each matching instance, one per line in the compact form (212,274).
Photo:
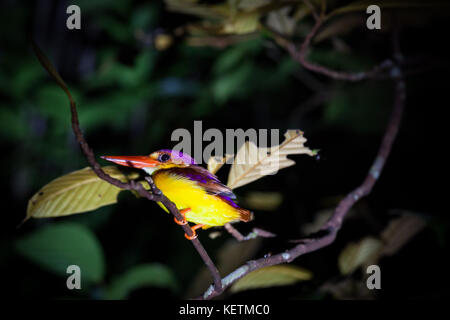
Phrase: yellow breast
(205,208)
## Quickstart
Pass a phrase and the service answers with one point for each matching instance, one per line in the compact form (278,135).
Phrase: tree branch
(256,232)
(328,232)
(156,194)
(300,56)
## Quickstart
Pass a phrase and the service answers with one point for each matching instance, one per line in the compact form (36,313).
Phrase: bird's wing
(205,179)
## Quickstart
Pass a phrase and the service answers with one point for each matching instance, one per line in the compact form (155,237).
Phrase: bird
(197,193)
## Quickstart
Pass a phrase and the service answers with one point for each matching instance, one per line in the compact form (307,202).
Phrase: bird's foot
(194,234)
(183,213)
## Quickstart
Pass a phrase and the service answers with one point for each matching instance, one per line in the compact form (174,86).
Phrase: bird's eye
(164,157)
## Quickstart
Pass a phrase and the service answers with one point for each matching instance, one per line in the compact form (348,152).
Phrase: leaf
(14,125)
(242,23)
(252,163)
(268,201)
(319,220)
(232,84)
(145,275)
(272,276)
(281,22)
(399,232)
(214,164)
(76,192)
(358,254)
(58,246)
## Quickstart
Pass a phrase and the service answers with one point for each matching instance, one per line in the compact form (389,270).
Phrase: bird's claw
(181,223)
(194,236)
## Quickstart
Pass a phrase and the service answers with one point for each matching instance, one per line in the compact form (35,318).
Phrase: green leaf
(113,72)
(280,275)
(53,103)
(76,192)
(58,246)
(25,78)
(232,56)
(266,201)
(145,275)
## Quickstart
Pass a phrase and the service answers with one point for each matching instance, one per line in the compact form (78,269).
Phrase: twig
(312,9)
(256,232)
(156,194)
(300,56)
(333,225)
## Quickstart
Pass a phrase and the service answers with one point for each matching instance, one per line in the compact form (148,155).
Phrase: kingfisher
(198,194)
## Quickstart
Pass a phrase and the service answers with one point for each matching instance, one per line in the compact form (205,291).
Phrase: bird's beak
(133,161)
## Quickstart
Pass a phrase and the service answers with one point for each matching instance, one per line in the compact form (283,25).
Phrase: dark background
(132,94)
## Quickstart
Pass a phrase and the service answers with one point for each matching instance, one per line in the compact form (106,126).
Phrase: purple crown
(178,155)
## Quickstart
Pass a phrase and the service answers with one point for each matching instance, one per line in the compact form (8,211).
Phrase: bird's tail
(245,215)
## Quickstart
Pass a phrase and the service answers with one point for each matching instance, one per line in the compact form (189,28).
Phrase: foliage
(271,276)
(76,192)
(80,247)
(140,70)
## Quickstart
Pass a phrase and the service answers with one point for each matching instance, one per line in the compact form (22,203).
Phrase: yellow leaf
(358,254)
(76,192)
(280,275)
(242,23)
(263,200)
(252,163)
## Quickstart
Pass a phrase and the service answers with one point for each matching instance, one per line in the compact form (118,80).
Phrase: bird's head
(161,159)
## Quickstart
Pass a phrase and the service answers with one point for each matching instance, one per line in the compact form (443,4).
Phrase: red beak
(133,161)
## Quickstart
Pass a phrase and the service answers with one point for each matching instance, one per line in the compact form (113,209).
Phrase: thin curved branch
(300,56)
(255,233)
(328,232)
(156,194)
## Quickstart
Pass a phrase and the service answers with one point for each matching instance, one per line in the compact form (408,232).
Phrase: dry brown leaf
(214,164)
(252,163)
